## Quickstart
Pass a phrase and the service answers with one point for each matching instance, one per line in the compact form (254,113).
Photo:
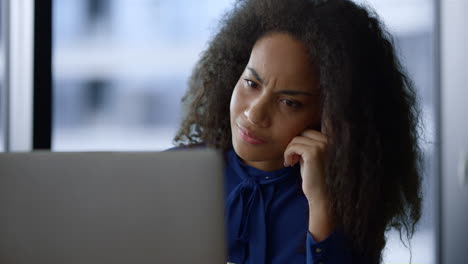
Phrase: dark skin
(274,106)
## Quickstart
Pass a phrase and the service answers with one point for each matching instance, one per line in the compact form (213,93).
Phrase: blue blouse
(267,218)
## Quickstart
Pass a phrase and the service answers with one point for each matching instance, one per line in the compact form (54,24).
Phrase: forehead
(281,56)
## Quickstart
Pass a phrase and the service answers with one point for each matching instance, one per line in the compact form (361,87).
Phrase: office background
(119,69)
(121,66)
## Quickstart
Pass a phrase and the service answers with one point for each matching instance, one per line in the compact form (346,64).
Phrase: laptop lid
(112,207)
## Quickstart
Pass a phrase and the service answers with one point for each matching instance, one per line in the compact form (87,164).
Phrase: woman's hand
(310,150)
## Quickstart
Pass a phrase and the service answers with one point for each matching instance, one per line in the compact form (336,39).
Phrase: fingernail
(285,164)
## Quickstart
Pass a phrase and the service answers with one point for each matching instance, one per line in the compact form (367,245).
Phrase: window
(2,77)
(121,67)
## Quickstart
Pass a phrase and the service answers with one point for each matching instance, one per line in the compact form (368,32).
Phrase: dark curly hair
(374,158)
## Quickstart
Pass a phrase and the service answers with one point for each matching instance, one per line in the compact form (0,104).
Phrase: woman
(318,123)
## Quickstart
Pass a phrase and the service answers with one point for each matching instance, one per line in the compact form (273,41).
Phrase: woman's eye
(291,103)
(251,83)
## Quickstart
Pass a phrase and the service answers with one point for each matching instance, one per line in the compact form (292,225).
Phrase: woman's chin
(255,154)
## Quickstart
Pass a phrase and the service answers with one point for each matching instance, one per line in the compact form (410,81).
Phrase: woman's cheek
(237,102)
(294,129)
(234,103)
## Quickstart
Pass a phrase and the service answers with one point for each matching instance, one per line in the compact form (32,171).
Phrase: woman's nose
(257,114)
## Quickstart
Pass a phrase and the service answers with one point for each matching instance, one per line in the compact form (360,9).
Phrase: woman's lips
(249,137)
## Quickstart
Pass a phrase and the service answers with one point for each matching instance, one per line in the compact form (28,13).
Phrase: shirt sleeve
(331,250)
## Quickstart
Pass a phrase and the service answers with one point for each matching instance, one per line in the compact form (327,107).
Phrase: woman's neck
(267,165)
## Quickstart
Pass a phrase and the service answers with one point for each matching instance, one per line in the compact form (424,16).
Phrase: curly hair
(374,159)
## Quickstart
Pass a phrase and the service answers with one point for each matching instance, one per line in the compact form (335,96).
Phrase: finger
(305,151)
(296,158)
(315,135)
(308,141)
(293,160)
(294,152)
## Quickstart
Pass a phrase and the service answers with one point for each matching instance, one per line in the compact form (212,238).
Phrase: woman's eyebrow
(292,92)
(287,92)
(256,75)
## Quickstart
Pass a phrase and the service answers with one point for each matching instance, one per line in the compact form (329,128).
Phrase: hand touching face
(275,100)
(309,149)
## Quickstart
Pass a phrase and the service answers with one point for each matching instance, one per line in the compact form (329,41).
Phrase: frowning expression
(275,99)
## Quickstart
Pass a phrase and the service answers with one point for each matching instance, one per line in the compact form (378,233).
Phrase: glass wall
(121,67)
(2,76)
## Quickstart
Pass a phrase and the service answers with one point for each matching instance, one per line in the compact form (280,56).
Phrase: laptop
(112,207)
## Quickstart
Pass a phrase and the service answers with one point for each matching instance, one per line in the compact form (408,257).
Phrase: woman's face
(275,99)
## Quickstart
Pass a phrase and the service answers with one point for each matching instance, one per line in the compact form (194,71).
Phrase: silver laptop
(113,207)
